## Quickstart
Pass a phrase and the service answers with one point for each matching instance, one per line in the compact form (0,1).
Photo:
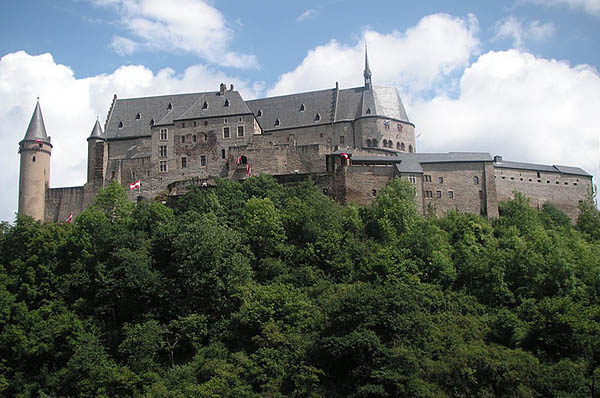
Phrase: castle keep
(351,142)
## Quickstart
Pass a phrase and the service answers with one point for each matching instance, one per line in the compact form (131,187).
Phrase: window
(325,191)
(112,175)
(164,134)
(441,180)
(438,194)
(538,174)
(120,125)
(369,143)
(183,162)
(222,153)
(240,119)
(476,180)
(386,124)
(138,116)
(385,143)
(374,192)
(182,124)
(202,160)
(195,124)
(163,166)
(481,195)
(277,123)
(399,126)
(410,148)
(402,147)
(194,138)
(226,132)
(317,117)
(412,179)
(205,105)
(368,111)
(169,107)
(33,159)
(427,178)
(225,121)
(429,194)
(162,151)
(374,142)
(240,131)
(226,104)
(151,122)
(183,139)
(302,108)
(206,122)
(342,139)
(451,194)
(259,113)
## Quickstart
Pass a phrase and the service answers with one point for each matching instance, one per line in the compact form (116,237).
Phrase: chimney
(222,88)
(231,87)
(497,159)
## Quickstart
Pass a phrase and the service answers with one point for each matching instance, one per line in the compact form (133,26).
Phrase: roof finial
(367,72)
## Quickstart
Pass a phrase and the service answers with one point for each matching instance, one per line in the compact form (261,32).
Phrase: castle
(350,142)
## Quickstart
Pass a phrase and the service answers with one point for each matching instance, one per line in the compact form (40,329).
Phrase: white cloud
(512,27)
(70,106)
(589,6)
(514,104)
(415,59)
(185,25)
(306,14)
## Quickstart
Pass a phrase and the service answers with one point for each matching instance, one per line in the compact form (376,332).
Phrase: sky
(517,78)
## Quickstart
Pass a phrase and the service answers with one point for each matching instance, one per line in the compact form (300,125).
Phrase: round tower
(96,156)
(34,171)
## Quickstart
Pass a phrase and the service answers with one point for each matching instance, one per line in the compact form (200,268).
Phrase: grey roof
(450,157)
(165,109)
(388,103)
(540,167)
(97,131)
(36,129)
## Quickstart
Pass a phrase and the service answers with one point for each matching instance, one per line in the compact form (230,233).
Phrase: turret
(34,171)
(97,156)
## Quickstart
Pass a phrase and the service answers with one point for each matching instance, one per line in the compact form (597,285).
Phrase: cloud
(514,104)
(70,107)
(191,26)
(511,27)
(311,12)
(415,59)
(590,6)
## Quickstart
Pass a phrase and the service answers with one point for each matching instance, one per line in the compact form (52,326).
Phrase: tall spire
(367,72)
(36,129)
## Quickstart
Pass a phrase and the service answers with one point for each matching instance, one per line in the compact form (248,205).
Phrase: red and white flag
(69,219)
(135,185)
(248,171)
(344,155)
(239,159)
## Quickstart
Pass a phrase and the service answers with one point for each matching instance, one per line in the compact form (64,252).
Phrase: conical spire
(36,129)
(367,72)
(97,131)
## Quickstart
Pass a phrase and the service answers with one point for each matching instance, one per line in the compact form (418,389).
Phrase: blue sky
(518,78)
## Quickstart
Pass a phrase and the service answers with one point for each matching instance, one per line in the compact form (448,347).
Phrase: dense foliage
(254,290)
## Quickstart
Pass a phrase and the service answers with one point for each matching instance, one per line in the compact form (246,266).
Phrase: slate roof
(540,167)
(182,107)
(97,131)
(36,129)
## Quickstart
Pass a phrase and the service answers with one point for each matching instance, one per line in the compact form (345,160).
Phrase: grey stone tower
(97,156)
(34,171)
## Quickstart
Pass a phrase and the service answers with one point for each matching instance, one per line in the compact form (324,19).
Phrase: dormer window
(120,125)
(259,113)
(226,104)
(277,123)
(317,117)
(151,122)
(138,116)
(205,105)
(302,108)
(368,111)
(170,106)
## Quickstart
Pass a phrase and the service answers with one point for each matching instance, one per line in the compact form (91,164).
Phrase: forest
(252,289)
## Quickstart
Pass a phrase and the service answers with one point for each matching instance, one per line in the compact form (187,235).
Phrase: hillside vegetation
(254,290)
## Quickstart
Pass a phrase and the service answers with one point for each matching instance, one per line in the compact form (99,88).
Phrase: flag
(69,219)
(135,185)
(248,171)
(344,155)
(239,159)
(38,141)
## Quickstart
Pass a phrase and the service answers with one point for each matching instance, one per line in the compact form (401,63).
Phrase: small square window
(438,194)
(441,180)
(202,160)
(451,194)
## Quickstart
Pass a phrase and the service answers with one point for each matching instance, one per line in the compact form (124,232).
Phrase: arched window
(374,142)
(385,143)
(242,160)
(369,142)
(397,145)
(410,148)
(402,147)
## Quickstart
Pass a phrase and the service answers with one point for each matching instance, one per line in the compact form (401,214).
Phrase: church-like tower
(97,156)
(34,172)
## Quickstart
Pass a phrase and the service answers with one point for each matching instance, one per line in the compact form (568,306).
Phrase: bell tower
(34,171)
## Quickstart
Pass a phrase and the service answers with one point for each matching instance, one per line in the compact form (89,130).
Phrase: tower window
(162,151)
(205,105)
(317,117)
(402,147)
(138,116)
(164,134)
(226,104)
(277,122)
(302,108)
(410,148)
(441,180)
(259,113)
